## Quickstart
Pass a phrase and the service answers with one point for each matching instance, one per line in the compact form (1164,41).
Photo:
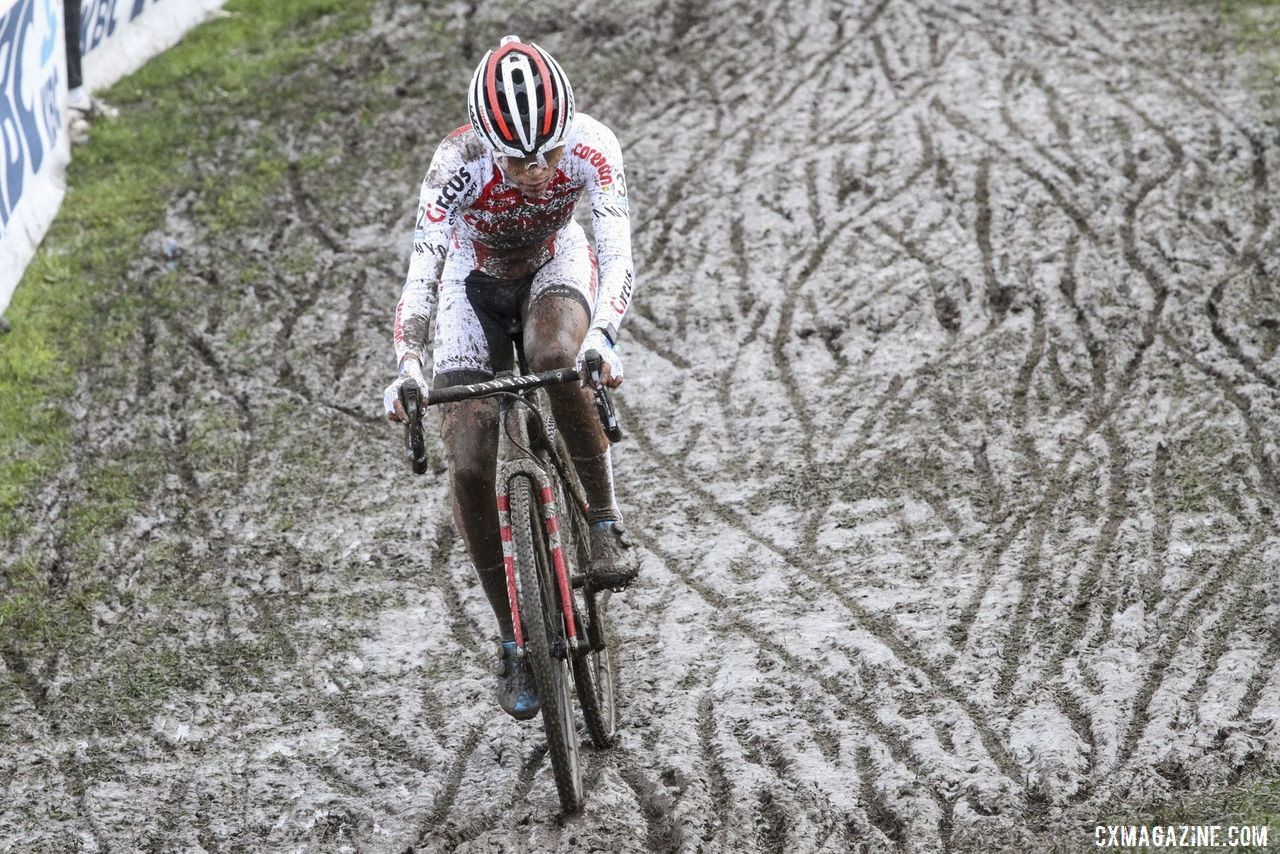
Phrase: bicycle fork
(551,523)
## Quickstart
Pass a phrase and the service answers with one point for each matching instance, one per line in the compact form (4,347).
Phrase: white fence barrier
(33,132)
(116,38)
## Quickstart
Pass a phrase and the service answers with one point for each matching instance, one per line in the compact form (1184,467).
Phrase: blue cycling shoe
(517,693)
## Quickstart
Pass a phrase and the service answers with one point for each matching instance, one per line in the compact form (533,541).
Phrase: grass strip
(77,302)
(181,107)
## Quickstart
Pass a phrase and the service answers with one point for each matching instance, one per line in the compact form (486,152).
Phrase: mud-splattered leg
(470,433)
(554,329)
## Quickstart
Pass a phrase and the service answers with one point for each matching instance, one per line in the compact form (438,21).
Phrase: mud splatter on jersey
(467,203)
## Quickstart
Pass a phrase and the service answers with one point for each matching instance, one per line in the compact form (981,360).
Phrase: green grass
(1256,805)
(1255,25)
(177,134)
(175,112)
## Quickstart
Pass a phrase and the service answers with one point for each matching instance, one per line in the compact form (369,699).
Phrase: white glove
(611,371)
(410,370)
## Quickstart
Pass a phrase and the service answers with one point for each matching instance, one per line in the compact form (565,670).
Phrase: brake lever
(415,444)
(593,361)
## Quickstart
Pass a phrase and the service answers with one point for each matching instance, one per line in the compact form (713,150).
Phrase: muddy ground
(951,406)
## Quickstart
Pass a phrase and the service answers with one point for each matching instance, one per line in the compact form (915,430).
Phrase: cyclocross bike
(558,615)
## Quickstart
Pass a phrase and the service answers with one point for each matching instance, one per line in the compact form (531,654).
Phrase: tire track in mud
(1086,602)
(997,295)
(1022,389)
(1264,673)
(945,308)
(205,351)
(1015,127)
(720,790)
(1229,341)
(782,336)
(967,152)
(524,783)
(1072,210)
(473,827)
(1029,577)
(878,812)
(306,206)
(449,790)
(874,625)
(1253,431)
(662,833)
(1095,348)
(788,808)
(345,351)
(1160,528)
(380,740)
(1184,616)
(898,746)
(1216,644)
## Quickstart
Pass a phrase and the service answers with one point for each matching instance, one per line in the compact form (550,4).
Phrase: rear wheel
(593,673)
(546,641)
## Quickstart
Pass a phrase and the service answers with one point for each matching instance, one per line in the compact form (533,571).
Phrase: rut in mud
(952,395)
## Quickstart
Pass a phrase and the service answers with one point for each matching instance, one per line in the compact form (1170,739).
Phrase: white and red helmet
(520,100)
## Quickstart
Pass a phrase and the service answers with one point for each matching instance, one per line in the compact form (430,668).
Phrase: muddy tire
(593,672)
(546,643)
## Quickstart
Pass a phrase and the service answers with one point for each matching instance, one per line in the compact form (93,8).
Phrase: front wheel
(546,641)
(593,666)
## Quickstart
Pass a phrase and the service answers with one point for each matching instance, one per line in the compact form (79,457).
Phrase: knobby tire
(544,627)
(593,673)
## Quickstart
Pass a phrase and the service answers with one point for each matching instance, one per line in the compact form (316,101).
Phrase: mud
(951,401)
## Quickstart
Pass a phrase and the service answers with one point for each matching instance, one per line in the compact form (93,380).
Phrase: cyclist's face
(528,174)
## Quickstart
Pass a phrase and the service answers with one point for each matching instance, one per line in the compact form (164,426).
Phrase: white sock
(611,511)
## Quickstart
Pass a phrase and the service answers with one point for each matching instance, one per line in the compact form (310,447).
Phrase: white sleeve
(446,190)
(611,222)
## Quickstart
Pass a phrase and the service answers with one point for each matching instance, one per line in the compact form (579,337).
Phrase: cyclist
(495,239)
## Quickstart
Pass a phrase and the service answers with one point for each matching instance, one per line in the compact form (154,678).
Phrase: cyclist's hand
(410,370)
(611,370)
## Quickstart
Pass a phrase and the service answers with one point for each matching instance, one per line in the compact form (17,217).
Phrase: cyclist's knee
(553,332)
(469,434)
(471,472)
(554,351)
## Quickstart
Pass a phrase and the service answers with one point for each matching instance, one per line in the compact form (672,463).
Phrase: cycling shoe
(614,562)
(517,693)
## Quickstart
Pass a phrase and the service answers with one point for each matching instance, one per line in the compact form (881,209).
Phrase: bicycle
(557,614)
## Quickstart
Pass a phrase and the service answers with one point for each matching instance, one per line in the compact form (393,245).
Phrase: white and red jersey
(471,216)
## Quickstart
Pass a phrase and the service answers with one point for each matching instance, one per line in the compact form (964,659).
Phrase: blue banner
(30,116)
(100,18)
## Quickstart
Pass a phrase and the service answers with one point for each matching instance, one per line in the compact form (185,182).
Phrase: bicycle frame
(528,467)
(574,653)
(513,414)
